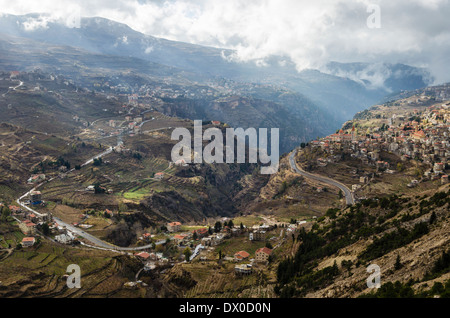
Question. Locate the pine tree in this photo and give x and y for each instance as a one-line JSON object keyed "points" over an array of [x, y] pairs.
{"points": [[433, 217], [398, 263], [187, 254]]}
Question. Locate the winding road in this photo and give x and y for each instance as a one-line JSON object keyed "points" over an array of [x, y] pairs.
{"points": [[80, 232], [347, 192], [91, 238], [13, 88]]}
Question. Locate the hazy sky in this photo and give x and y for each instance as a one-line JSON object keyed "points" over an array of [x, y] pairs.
{"points": [[415, 32]]}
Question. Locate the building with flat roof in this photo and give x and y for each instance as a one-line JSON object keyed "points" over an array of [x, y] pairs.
{"points": [[35, 197], [243, 269]]}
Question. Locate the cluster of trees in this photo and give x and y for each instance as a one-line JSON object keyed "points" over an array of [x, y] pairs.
{"points": [[393, 240], [295, 275], [187, 254], [405, 290], [325, 241], [124, 233], [298, 266], [392, 290], [218, 226], [440, 267], [4, 213], [137, 155], [317, 279], [45, 229], [97, 162], [298, 271], [439, 199], [60, 162], [98, 189], [384, 127]]}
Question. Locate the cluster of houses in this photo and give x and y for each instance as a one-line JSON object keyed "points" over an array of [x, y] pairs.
{"points": [[28, 220], [133, 125], [207, 237], [261, 256], [26, 226], [66, 237], [210, 239], [424, 136], [257, 233], [151, 260]]}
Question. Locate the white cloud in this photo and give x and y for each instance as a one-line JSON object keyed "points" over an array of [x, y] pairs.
{"points": [[33, 24], [311, 33]]}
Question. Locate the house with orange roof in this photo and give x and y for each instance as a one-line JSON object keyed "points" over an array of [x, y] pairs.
{"points": [[146, 236], [142, 255], [174, 227], [418, 135], [262, 254], [181, 238], [201, 232], [15, 209], [241, 256], [28, 241], [27, 227]]}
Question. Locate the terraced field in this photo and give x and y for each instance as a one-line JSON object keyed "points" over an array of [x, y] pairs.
{"points": [[10, 236], [220, 282], [41, 272]]}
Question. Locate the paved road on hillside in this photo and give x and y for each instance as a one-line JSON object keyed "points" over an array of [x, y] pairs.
{"points": [[80, 232], [348, 194], [99, 242], [13, 88]]}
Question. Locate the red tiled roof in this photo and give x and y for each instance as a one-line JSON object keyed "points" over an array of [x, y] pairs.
{"points": [[241, 255], [266, 250], [29, 223], [144, 255], [201, 231]]}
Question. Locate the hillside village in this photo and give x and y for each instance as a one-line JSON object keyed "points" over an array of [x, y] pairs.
{"points": [[419, 135], [181, 243], [416, 132]]}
